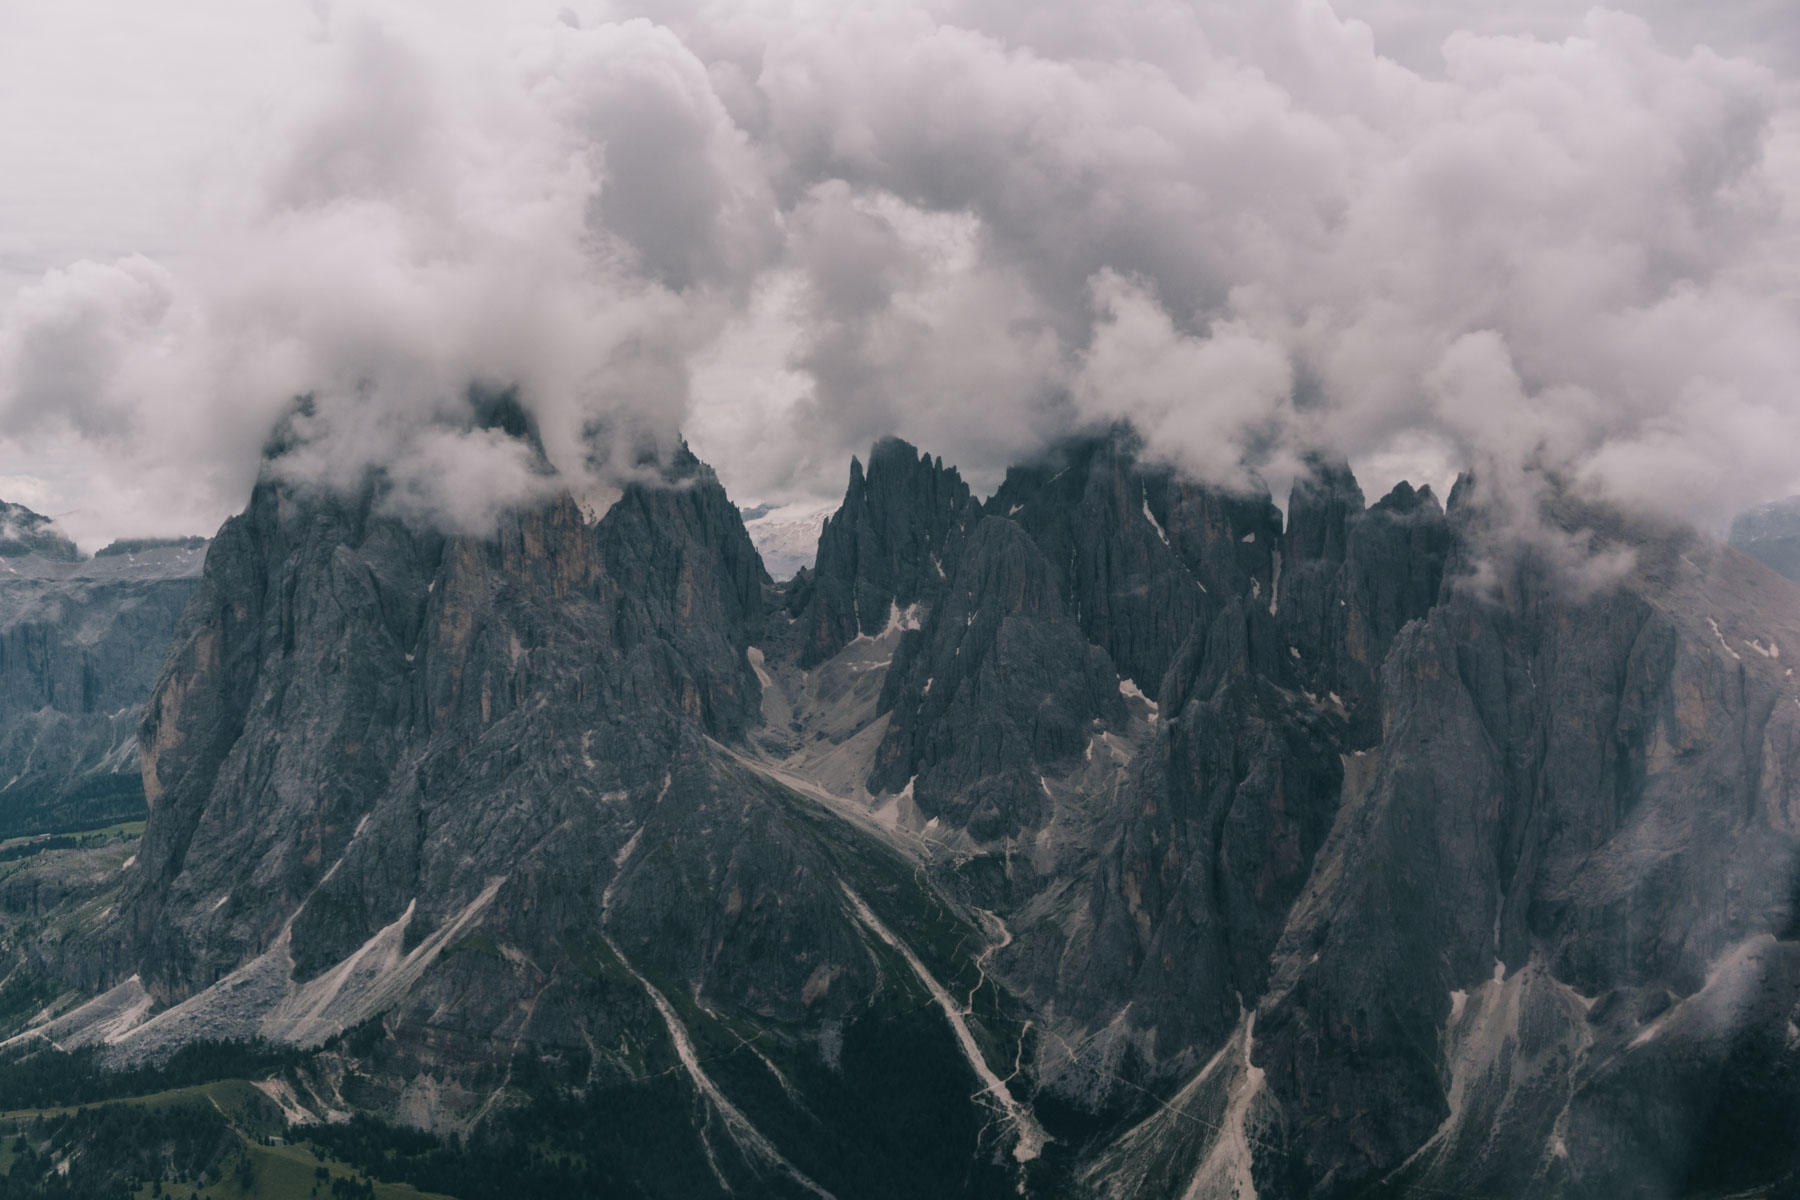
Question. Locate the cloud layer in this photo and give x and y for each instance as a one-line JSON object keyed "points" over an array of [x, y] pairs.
{"points": [[1454, 235]]}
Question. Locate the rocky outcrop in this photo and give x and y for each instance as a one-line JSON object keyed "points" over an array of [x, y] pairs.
{"points": [[1018, 705], [1535, 823]]}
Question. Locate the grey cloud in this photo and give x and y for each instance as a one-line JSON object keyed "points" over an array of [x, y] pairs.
{"points": [[681, 183], [66, 338], [369, 136]]}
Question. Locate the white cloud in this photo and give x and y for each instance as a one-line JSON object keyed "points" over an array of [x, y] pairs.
{"points": [[1496, 234]]}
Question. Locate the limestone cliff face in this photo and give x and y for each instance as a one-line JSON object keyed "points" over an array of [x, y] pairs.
{"points": [[81, 645]]}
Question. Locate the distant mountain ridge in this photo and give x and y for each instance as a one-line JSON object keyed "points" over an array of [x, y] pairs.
{"points": [[1770, 534], [81, 645]]}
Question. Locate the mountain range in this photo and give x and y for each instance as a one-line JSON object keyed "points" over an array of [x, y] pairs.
{"points": [[1113, 836]]}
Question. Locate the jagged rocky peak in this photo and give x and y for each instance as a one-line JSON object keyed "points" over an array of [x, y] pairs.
{"points": [[451, 687], [1401, 547], [890, 546], [1142, 553], [999, 687], [1353, 577], [494, 791], [1321, 504]]}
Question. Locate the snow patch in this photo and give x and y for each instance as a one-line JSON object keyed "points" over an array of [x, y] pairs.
{"points": [[1131, 691], [1156, 524], [1722, 642], [787, 536], [898, 621]]}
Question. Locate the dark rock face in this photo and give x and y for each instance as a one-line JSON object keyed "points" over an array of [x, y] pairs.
{"points": [[1085, 564], [340, 672], [998, 684], [890, 546], [1232, 809], [1142, 557], [1352, 579], [81, 645], [1372, 787], [1575, 803]]}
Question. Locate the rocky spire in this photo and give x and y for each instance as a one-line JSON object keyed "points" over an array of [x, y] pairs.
{"points": [[891, 545]]}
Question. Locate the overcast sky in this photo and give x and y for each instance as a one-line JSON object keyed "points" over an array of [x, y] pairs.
{"points": [[1422, 234]]}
